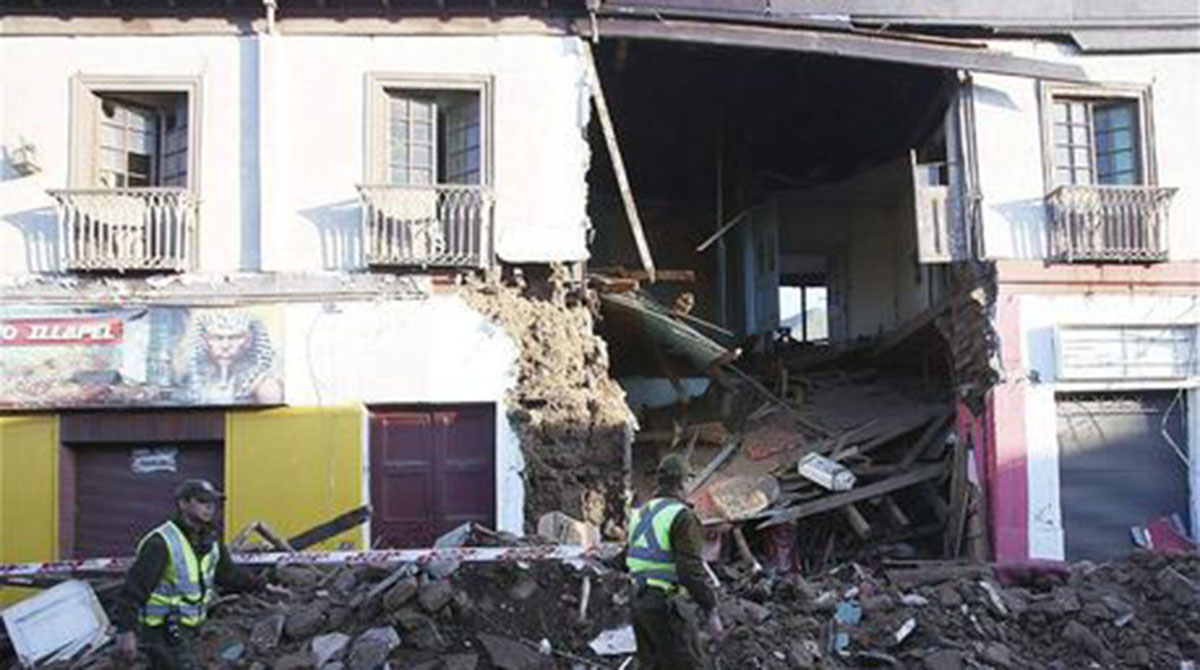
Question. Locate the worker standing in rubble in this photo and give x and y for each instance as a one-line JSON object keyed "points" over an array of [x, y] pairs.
{"points": [[170, 585], [663, 557]]}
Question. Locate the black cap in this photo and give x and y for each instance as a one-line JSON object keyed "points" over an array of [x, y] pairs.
{"points": [[198, 489]]}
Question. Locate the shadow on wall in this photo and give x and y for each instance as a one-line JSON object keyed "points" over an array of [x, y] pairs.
{"points": [[39, 230], [1026, 227], [340, 226]]}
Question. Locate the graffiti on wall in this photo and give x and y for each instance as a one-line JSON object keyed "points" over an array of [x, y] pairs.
{"points": [[140, 356]]}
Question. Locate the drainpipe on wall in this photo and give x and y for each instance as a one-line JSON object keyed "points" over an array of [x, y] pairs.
{"points": [[270, 127], [271, 6]]}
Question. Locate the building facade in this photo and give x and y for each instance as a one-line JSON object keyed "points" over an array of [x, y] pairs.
{"points": [[234, 240]]}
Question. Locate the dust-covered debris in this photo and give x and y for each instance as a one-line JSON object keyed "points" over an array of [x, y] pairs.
{"points": [[570, 414]]}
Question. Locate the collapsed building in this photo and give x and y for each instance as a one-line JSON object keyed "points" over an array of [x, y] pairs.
{"points": [[900, 284]]}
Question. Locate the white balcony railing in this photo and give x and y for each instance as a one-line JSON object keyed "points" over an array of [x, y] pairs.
{"points": [[446, 226], [123, 229], [1108, 224]]}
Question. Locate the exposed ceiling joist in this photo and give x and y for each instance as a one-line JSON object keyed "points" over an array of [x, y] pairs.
{"points": [[937, 54]]}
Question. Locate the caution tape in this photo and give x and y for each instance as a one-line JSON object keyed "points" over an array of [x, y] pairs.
{"points": [[548, 552]]}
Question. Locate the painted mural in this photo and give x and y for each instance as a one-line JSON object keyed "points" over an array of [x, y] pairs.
{"points": [[140, 356]]}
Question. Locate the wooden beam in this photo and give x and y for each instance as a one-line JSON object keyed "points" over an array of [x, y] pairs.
{"points": [[331, 528], [829, 503], [683, 276], [618, 163]]}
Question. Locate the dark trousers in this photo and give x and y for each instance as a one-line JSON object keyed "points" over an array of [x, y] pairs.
{"points": [[163, 655], [667, 639]]}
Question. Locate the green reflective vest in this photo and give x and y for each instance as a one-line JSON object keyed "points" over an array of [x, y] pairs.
{"points": [[186, 586], [648, 556]]}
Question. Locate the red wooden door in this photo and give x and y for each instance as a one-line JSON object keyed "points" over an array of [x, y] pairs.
{"points": [[433, 468]]}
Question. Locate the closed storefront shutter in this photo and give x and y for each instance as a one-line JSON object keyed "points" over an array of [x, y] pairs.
{"points": [[1117, 469]]}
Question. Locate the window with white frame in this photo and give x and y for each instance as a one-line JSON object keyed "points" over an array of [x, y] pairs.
{"points": [[1097, 136]]}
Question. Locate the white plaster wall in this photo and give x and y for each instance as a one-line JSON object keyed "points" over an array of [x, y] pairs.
{"points": [[437, 350], [540, 151], [35, 94], [1039, 315], [306, 95], [870, 220], [1009, 137]]}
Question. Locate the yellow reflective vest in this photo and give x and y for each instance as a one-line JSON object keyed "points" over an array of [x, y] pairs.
{"points": [[186, 586], [648, 555]]}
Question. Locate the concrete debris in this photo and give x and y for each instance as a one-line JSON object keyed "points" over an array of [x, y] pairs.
{"points": [[329, 647], [508, 654], [615, 642]]}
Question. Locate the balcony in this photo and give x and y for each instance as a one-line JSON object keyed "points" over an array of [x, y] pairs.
{"points": [[1108, 224], [439, 226], [127, 229]]}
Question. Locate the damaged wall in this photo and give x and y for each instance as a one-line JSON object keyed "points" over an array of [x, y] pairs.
{"points": [[571, 416], [1026, 418], [865, 227], [436, 350]]}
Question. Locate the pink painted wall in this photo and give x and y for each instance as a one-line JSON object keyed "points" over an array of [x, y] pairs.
{"points": [[1007, 479]]}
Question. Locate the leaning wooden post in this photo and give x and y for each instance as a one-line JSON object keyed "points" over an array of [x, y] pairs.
{"points": [[614, 153]]}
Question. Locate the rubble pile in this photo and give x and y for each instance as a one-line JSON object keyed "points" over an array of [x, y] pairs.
{"points": [[569, 413], [1140, 613], [513, 616], [1143, 612]]}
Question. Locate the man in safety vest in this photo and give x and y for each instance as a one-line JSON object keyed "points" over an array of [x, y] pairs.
{"points": [[170, 585], [663, 557]]}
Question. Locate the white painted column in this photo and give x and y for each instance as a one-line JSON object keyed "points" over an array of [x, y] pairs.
{"points": [[1046, 540]]}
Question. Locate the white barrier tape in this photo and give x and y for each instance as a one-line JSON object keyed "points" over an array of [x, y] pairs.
{"points": [[550, 552]]}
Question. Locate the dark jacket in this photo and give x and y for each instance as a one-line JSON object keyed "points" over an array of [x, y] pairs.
{"points": [[687, 541], [151, 563]]}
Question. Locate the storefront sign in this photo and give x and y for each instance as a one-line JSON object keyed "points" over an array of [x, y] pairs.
{"points": [[148, 356], [1126, 352], [156, 459]]}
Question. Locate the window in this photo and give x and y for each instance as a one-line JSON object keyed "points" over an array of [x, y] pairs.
{"points": [[142, 140], [423, 132], [804, 312], [134, 132], [1095, 142], [433, 138], [1097, 136]]}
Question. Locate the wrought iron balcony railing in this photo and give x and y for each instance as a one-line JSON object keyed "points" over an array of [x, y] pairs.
{"points": [[127, 229], [1108, 224], [447, 226]]}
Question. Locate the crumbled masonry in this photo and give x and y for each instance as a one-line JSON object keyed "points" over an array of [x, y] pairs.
{"points": [[570, 414], [1143, 612]]}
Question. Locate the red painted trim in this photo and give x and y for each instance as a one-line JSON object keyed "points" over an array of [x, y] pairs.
{"points": [[1008, 459], [1042, 277]]}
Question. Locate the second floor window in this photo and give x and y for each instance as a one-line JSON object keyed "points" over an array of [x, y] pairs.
{"points": [[141, 140], [1096, 142], [433, 137]]}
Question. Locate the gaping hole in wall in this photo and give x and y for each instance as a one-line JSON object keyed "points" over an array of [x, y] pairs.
{"points": [[784, 197]]}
